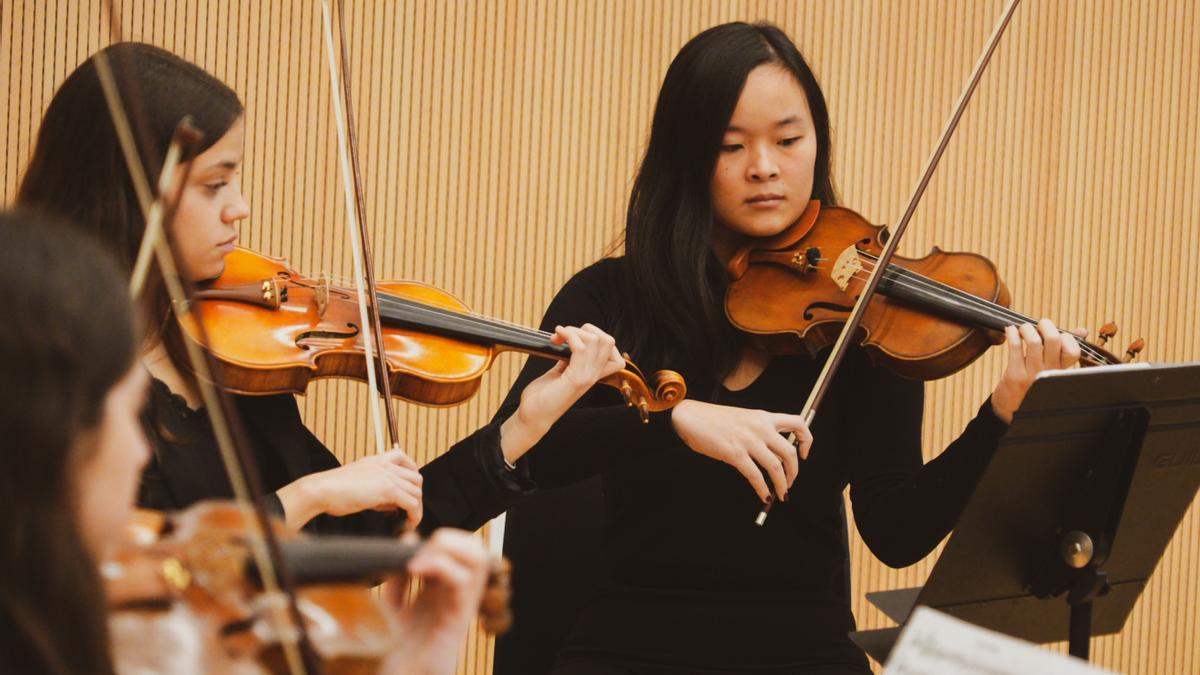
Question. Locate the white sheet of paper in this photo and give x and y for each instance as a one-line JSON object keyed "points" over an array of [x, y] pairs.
{"points": [[933, 643]]}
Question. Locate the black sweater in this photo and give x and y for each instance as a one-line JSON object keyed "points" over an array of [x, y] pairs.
{"points": [[689, 579], [465, 489]]}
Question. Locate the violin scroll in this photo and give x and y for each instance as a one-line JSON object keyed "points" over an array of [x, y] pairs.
{"points": [[669, 389]]}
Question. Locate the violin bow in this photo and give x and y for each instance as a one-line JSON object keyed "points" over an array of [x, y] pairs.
{"points": [[352, 189], [368, 301], [821, 387], [227, 429]]}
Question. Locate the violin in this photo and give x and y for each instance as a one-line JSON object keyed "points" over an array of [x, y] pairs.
{"points": [[931, 316], [273, 330], [186, 596]]}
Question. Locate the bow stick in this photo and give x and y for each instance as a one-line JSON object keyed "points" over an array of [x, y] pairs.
{"points": [[821, 387], [351, 172]]}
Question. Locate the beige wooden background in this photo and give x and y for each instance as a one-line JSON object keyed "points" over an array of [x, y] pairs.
{"points": [[499, 141]]}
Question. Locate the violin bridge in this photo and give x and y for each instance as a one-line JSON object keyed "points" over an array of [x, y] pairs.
{"points": [[847, 265], [322, 295]]}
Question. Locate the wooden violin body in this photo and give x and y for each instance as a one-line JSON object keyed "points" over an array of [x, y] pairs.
{"points": [[931, 317], [186, 597], [274, 330]]}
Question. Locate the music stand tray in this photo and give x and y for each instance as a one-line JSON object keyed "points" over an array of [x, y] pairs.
{"points": [[1087, 487]]}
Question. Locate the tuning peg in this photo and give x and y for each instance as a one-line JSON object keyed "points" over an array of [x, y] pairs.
{"points": [[627, 393], [1106, 332], [1134, 349]]}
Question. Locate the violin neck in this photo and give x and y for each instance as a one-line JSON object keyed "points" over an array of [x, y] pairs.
{"points": [[401, 312], [919, 291], [341, 559], [911, 288]]}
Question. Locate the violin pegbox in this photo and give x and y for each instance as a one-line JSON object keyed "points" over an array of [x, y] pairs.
{"points": [[660, 393], [1106, 333], [1134, 349]]}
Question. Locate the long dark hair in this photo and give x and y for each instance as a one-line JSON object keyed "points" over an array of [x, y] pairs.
{"points": [[78, 172], [673, 316], [68, 339]]}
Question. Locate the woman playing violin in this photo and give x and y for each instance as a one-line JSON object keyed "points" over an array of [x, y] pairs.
{"points": [[74, 447], [77, 171], [739, 144]]}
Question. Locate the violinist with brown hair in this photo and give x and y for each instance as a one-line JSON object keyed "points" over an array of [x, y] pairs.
{"points": [[77, 171], [739, 145], [73, 390]]}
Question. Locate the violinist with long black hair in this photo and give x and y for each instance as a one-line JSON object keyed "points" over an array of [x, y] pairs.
{"points": [[739, 144], [77, 171]]}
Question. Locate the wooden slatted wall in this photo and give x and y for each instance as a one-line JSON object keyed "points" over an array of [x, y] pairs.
{"points": [[499, 141]]}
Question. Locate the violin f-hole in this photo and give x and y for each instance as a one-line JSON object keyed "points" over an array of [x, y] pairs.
{"points": [[352, 331], [808, 311]]}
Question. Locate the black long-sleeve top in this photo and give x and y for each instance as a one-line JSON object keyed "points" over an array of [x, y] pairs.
{"points": [[469, 486], [690, 579]]}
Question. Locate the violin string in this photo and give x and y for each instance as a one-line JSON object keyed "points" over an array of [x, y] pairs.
{"points": [[909, 279], [419, 311], [450, 313], [912, 280], [995, 311], [474, 321], [499, 330], [479, 320], [904, 277], [901, 277]]}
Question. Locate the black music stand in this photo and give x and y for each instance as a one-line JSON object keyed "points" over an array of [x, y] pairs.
{"points": [[1088, 486]]}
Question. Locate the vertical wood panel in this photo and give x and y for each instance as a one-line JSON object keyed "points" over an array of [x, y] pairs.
{"points": [[499, 141]]}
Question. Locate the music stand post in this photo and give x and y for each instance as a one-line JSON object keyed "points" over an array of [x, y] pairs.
{"points": [[1089, 483]]}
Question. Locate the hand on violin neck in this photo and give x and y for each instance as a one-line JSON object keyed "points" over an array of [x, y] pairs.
{"points": [[1030, 351], [452, 567], [751, 441], [594, 356], [383, 482]]}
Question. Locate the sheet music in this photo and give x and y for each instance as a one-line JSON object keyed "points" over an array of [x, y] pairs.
{"points": [[933, 643]]}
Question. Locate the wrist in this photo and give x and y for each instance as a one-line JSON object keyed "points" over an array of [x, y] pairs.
{"points": [[301, 501], [517, 435], [680, 413], [422, 653], [1000, 406]]}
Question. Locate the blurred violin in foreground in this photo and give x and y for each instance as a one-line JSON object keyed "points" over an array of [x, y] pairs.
{"points": [[185, 596]]}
